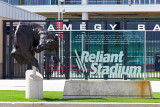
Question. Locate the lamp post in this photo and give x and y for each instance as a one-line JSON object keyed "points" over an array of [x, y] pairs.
{"points": [[63, 11], [129, 2], [60, 10]]}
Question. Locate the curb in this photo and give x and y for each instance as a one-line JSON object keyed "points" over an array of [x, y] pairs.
{"points": [[62, 104]]}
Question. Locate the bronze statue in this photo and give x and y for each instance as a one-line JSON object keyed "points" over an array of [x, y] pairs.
{"points": [[31, 38]]}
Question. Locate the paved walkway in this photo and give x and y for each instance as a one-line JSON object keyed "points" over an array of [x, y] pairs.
{"points": [[51, 85], [75, 104], [19, 84]]}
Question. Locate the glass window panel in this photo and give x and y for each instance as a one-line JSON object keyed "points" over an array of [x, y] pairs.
{"points": [[130, 43], [73, 2], [55, 2], [14, 2], [152, 48], [125, 1], [137, 2], [7, 1], [146, 1], [36, 2], [141, 1], [158, 2], [151, 1]]}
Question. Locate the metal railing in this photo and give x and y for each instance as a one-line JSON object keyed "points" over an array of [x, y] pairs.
{"points": [[13, 70], [79, 2], [124, 2]]}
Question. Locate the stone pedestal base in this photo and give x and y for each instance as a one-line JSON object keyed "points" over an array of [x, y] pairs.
{"points": [[106, 89], [34, 85]]}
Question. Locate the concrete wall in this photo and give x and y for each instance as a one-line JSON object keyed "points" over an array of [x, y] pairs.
{"points": [[19, 69], [96, 11], [14, 12], [1, 46], [106, 89], [11, 12]]}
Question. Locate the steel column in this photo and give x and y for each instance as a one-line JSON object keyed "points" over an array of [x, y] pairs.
{"points": [[4, 49], [47, 68], [67, 54], [125, 25], [10, 50]]}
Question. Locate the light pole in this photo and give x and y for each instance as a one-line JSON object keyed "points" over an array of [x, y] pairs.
{"points": [[60, 10], [63, 11], [129, 2], [59, 28]]}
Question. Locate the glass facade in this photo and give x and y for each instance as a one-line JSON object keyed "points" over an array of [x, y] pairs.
{"points": [[152, 49], [28, 2], [35, 2], [108, 2], [90, 45], [152, 42], [131, 43], [78, 2]]}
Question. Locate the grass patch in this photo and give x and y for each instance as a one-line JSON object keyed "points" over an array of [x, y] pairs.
{"points": [[152, 71], [56, 96], [153, 79], [150, 79]]}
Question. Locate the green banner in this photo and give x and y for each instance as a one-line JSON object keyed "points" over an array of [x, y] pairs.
{"points": [[107, 54]]}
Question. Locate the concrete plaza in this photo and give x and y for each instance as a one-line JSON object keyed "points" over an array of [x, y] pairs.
{"points": [[50, 85]]}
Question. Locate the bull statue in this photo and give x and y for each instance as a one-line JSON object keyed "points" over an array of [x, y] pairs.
{"points": [[31, 38]]}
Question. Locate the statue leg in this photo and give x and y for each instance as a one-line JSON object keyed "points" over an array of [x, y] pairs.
{"points": [[57, 52], [17, 55], [30, 58]]}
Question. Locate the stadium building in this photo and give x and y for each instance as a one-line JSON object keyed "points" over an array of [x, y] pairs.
{"points": [[10, 12]]}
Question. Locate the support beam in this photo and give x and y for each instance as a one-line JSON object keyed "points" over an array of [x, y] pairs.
{"points": [[10, 49], [84, 14], [4, 49]]}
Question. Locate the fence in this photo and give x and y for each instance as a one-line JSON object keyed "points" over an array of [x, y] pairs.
{"points": [[51, 69]]}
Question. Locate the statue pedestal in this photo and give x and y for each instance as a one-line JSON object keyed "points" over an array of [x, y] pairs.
{"points": [[34, 85], [106, 89]]}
